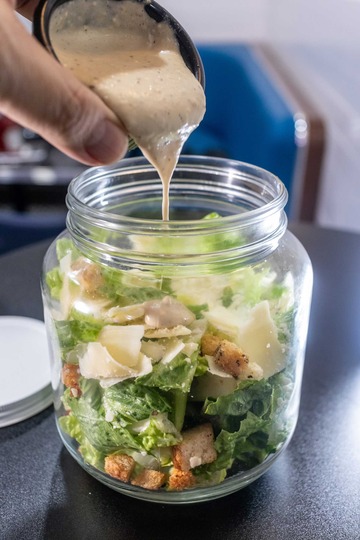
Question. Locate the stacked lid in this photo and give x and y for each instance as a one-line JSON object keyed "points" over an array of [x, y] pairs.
{"points": [[25, 387]]}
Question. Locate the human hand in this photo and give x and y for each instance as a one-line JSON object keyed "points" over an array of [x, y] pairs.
{"points": [[41, 95]]}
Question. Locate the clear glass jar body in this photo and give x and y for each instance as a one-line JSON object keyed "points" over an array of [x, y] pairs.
{"points": [[177, 347]]}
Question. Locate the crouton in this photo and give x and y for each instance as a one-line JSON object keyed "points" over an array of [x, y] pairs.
{"points": [[70, 377], [231, 358], [196, 448], [209, 344], [149, 479], [119, 466], [180, 480]]}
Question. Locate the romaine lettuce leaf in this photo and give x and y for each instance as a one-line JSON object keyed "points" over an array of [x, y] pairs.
{"points": [[202, 366], [210, 242], [250, 394], [118, 288], [198, 310], [251, 421], [71, 333], [104, 436], [129, 402], [54, 282], [284, 321], [91, 391], [176, 375], [101, 430], [248, 445], [70, 425], [227, 296], [159, 432], [179, 410], [65, 246], [254, 284]]}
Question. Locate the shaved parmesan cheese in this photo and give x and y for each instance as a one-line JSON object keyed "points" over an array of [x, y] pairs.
{"points": [[123, 343], [200, 290], [116, 356], [190, 348], [173, 348], [97, 363], [154, 349], [121, 315], [224, 320], [195, 461], [255, 332], [215, 369], [198, 329], [212, 386], [158, 333], [259, 340], [94, 307]]}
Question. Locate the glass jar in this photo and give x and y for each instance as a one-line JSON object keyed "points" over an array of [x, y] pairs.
{"points": [[177, 347]]}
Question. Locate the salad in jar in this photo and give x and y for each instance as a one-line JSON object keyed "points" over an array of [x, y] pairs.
{"points": [[171, 382]]}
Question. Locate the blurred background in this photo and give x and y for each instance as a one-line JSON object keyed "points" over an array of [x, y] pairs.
{"points": [[283, 92], [318, 43]]}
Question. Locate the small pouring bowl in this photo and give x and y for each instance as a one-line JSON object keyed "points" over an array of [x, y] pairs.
{"points": [[188, 50]]}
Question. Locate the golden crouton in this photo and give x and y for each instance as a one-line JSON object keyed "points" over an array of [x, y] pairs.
{"points": [[231, 358], [119, 466], [196, 448], [209, 344], [70, 377], [149, 479], [180, 480]]}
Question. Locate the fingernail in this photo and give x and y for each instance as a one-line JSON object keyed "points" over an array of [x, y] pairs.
{"points": [[107, 143]]}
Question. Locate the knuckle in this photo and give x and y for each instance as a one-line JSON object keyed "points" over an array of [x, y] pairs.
{"points": [[75, 117]]}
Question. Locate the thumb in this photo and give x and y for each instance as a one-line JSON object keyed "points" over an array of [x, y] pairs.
{"points": [[40, 94]]}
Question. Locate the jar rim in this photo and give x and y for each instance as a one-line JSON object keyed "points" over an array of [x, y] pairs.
{"points": [[248, 203], [276, 193]]}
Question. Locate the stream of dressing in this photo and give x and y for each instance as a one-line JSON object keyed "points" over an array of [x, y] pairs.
{"points": [[133, 63]]}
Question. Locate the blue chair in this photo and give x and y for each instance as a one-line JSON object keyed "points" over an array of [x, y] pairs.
{"points": [[18, 229], [251, 117]]}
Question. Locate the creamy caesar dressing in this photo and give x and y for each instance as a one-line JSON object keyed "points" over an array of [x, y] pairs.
{"points": [[133, 63]]}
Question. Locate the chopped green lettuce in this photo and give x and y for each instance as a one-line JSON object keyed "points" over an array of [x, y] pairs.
{"points": [[176, 375], [198, 310], [104, 436], [71, 425], [97, 419], [144, 415], [247, 419], [54, 281], [248, 445], [227, 296], [250, 394], [65, 246], [119, 287], [180, 402], [129, 402], [158, 432], [71, 333]]}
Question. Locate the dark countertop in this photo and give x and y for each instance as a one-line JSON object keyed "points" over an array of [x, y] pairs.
{"points": [[311, 492]]}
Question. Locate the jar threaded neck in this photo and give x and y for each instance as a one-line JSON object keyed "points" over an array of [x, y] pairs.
{"points": [[114, 212]]}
